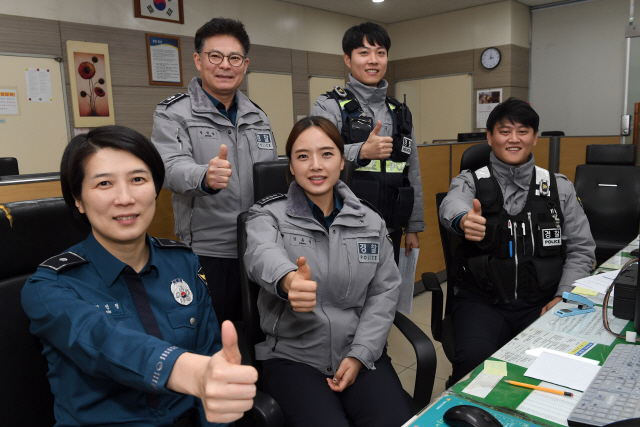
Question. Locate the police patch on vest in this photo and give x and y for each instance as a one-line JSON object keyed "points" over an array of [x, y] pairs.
{"points": [[181, 292], [551, 237], [297, 240], [368, 252], [264, 141], [406, 145]]}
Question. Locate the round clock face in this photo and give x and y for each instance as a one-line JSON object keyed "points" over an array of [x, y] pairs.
{"points": [[490, 58]]}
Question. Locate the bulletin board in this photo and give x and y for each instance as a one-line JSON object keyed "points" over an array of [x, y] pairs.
{"points": [[34, 131]]}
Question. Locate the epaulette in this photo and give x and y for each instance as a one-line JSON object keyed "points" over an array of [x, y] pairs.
{"points": [[173, 98], [370, 205], [257, 106], [271, 198], [64, 261], [168, 243]]}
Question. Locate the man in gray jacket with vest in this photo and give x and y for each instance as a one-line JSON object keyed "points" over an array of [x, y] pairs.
{"points": [[209, 139], [527, 239], [378, 135]]}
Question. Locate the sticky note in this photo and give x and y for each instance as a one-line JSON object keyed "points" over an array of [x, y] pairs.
{"points": [[584, 291], [495, 367]]}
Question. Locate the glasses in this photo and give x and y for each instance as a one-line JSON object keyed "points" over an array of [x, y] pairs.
{"points": [[216, 58]]}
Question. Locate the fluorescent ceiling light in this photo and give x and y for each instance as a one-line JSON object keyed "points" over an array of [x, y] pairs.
{"points": [[377, 1]]}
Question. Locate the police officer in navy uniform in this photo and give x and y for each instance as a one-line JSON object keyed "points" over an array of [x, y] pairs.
{"points": [[378, 134], [527, 239], [209, 139], [125, 319]]}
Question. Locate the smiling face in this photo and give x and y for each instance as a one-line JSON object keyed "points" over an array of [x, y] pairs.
{"points": [[512, 142], [118, 196], [316, 163], [368, 63], [222, 80]]}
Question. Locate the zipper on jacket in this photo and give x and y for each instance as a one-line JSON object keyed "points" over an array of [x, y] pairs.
{"points": [[349, 284], [533, 239], [515, 255], [275, 327]]}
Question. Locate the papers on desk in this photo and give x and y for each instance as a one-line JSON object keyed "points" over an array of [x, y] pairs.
{"points": [[575, 374], [587, 326], [533, 337], [407, 267], [549, 406], [482, 384], [599, 282]]}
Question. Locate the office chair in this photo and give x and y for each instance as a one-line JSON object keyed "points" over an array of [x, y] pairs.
{"points": [[264, 175], [609, 188], [473, 158], [30, 232], [8, 166]]}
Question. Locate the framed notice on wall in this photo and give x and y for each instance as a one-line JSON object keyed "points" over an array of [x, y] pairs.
{"points": [[160, 10], [163, 57]]}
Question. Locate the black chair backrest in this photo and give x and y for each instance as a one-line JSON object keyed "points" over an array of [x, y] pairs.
{"points": [[8, 166], [610, 195], [450, 242], [475, 157], [30, 232]]}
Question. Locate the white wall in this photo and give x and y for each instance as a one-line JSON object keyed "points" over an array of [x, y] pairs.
{"points": [[268, 22], [577, 66], [495, 24]]}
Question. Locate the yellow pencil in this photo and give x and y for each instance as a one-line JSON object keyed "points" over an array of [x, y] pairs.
{"points": [[535, 387]]}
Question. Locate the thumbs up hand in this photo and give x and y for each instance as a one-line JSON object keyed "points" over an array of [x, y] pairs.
{"points": [[376, 147], [219, 170], [473, 223], [299, 287]]}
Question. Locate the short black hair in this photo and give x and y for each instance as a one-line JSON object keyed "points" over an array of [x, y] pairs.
{"points": [[81, 147], [375, 34], [222, 26], [515, 111]]}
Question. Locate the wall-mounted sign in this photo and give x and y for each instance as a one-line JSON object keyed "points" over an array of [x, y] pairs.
{"points": [[163, 57]]}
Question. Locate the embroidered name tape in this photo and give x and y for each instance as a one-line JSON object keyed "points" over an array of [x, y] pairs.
{"points": [[264, 141], [111, 307], [551, 237], [368, 252], [206, 134], [302, 241]]}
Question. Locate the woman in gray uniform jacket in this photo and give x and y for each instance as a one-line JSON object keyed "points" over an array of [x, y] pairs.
{"points": [[329, 292]]}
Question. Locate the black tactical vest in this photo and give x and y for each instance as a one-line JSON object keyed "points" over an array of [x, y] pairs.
{"points": [[383, 183], [521, 256]]}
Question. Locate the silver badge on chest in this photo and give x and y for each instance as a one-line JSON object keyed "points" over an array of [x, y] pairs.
{"points": [[181, 292]]}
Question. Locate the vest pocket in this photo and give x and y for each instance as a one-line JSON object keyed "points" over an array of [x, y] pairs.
{"points": [[401, 206], [184, 321], [548, 240], [546, 272], [493, 275]]}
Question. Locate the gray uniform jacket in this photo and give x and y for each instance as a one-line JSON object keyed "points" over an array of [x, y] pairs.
{"points": [[188, 133], [514, 182], [373, 102], [358, 280]]}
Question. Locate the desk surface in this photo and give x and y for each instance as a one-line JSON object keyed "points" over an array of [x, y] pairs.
{"points": [[506, 398]]}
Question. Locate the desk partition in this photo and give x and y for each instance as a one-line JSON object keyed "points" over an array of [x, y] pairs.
{"points": [[438, 164]]}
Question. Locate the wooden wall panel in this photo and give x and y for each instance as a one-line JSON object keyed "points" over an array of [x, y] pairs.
{"points": [[434, 168], [300, 105], [35, 190], [520, 66], [30, 35], [434, 65], [189, 70], [325, 64], [270, 59], [541, 153], [300, 71], [497, 77], [163, 221], [573, 151]]}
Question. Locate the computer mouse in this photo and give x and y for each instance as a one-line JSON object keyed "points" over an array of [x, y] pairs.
{"points": [[634, 253], [469, 416]]}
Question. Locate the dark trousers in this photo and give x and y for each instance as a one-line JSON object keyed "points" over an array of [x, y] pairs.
{"points": [[376, 398], [223, 280], [396, 239], [481, 328]]}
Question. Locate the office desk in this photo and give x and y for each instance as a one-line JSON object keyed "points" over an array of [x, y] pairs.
{"points": [[506, 398]]}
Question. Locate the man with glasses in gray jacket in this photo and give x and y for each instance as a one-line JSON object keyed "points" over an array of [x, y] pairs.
{"points": [[209, 139]]}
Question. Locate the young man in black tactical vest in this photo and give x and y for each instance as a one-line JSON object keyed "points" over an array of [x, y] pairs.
{"points": [[378, 134], [527, 239]]}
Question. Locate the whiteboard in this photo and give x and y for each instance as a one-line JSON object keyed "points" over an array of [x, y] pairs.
{"points": [[38, 134]]}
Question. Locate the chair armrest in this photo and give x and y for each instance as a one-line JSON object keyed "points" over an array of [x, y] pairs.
{"points": [[426, 356], [431, 284], [266, 411]]}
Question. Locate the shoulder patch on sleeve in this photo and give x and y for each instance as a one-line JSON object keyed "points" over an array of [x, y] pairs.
{"points": [[202, 277], [370, 205], [271, 198], [173, 98], [64, 261], [168, 243]]}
